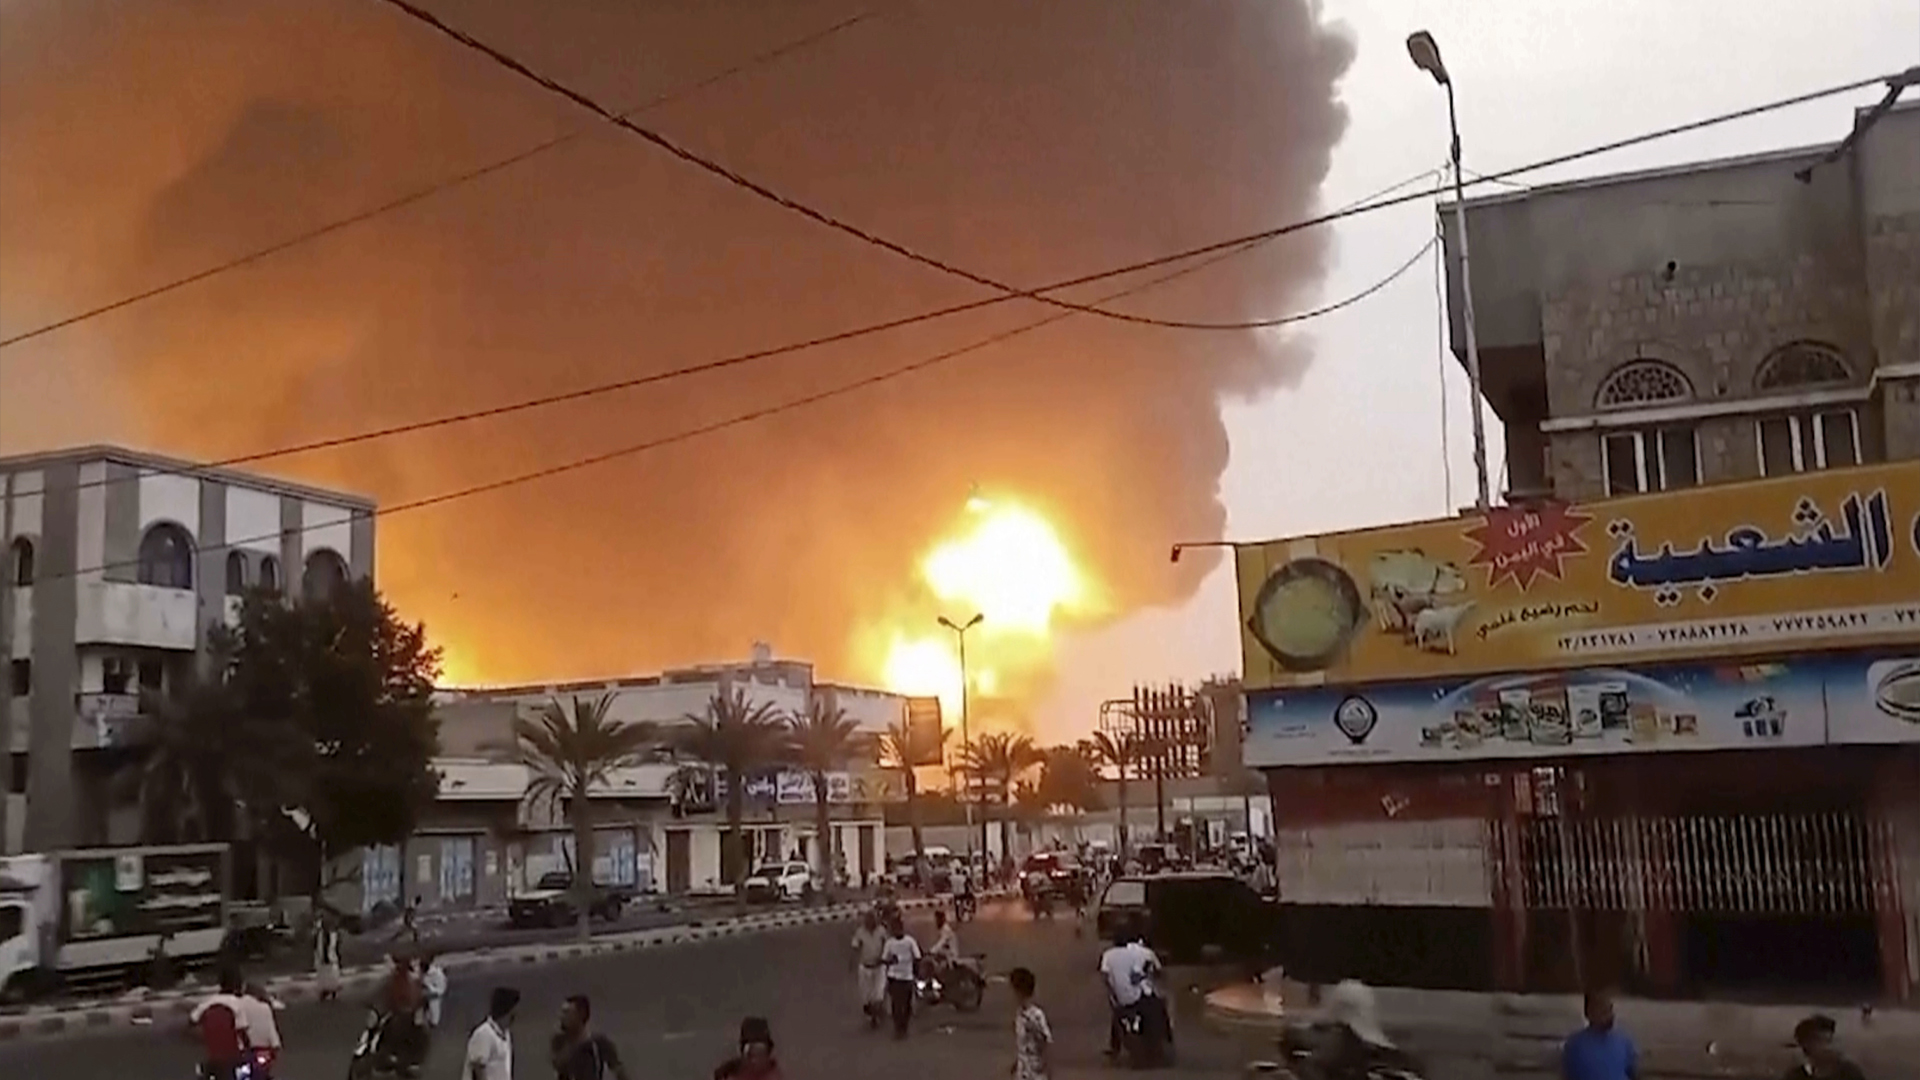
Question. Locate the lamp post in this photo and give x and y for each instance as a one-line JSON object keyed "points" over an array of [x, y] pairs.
{"points": [[1173, 554], [960, 633], [1426, 56]]}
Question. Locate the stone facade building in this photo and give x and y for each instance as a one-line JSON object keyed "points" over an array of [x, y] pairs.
{"points": [[1704, 323]]}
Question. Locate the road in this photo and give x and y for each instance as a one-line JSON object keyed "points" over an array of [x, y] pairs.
{"points": [[674, 1013]]}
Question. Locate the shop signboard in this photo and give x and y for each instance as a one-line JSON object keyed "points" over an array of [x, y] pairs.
{"points": [[1817, 700], [1817, 561]]}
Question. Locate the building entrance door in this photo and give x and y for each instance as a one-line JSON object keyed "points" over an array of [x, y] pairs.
{"points": [[679, 860]]}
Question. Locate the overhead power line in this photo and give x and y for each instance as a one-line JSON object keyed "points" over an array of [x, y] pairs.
{"points": [[1233, 245], [435, 188], [788, 202], [789, 405]]}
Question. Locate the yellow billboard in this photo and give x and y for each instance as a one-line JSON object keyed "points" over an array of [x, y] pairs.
{"points": [[1827, 560]]}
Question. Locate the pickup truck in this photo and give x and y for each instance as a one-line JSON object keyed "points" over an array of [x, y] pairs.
{"points": [[551, 902]]}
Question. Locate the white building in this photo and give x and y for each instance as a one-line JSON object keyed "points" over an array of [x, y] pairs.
{"points": [[483, 841], [117, 564]]}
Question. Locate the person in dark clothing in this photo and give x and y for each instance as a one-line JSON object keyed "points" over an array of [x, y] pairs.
{"points": [[579, 1053], [1818, 1058], [756, 1060]]}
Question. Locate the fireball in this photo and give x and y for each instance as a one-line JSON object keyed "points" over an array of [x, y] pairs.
{"points": [[1008, 564]]}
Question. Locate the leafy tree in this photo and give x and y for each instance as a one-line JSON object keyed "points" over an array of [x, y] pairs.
{"points": [[181, 780], [568, 753], [1069, 777], [743, 739], [1121, 750], [998, 759], [350, 684], [898, 751], [821, 741]]}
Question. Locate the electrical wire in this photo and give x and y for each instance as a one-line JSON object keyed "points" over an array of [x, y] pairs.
{"points": [[419, 194], [754, 187], [1235, 244], [736, 360], [764, 412], [789, 203]]}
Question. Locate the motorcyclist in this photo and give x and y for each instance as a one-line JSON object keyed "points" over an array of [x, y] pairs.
{"points": [[963, 898], [220, 1021], [1129, 969], [399, 1001]]}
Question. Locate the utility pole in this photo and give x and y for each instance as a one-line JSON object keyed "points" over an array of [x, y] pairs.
{"points": [[966, 741], [8, 577]]}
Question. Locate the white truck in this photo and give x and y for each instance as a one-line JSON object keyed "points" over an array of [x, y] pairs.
{"points": [[79, 916]]}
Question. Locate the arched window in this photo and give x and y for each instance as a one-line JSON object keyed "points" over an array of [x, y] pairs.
{"points": [[236, 573], [1643, 382], [325, 574], [20, 561], [270, 573], [166, 557], [1800, 364]]}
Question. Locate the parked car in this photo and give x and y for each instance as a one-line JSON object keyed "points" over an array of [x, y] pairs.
{"points": [[551, 902], [1194, 915], [780, 881]]}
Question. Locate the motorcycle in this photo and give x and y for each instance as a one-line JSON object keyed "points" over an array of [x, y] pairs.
{"points": [[377, 1056], [965, 907], [1146, 1034], [962, 984]]}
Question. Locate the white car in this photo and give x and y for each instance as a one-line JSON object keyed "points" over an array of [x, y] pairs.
{"points": [[780, 881]]}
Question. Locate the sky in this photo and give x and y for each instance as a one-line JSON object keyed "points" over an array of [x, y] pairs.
{"points": [[1027, 143]]}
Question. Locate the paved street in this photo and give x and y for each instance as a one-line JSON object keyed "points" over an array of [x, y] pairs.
{"points": [[674, 1011]]}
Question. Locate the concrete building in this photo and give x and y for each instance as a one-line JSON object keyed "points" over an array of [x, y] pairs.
{"points": [[117, 564], [1638, 723], [483, 840]]}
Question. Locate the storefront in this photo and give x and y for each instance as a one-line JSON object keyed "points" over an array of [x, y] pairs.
{"points": [[1667, 741]]}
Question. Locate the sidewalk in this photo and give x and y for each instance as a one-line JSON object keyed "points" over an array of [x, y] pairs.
{"points": [[1521, 1034], [142, 1008]]}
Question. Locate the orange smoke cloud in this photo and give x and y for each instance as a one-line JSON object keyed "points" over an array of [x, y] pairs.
{"points": [[1028, 141]]}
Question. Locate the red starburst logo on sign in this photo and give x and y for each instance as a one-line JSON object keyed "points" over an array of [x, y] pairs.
{"points": [[1525, 542]]}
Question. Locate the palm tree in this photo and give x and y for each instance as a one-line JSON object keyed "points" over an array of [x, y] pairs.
{"points": [[743, 739], [1121, 750], [822, 740], [998, 759], [898, 751], [569, 752], [1069, 777]]}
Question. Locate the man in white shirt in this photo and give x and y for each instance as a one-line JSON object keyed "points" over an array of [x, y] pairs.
{"points": [[263, 1029], [490, 1048], [1128, 968], [868, 943], [900, 957]]}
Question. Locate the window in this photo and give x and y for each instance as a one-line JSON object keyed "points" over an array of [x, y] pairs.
{"points": [[20, 561], [1801, 364], [1643, 382], [1805, 442], [116, 674], [13, 920], [1657, 459], [326, 572], [153, 674], [20, 676], [236, 573], [270, 573], [166, 557]]}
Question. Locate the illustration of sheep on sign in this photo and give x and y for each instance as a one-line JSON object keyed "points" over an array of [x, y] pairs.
{"points": [[1434, 628], [1406, 583]]}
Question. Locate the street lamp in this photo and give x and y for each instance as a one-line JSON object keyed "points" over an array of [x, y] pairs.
{"points": [[960, 632], [1426, 56]]}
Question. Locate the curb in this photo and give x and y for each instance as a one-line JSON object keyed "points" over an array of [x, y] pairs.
{"points": [[148, 1010]]}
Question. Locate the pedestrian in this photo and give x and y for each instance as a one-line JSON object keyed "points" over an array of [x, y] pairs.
{"points": [[433, 987], [326, 956], [1818, 1058], [868, 943], [755, 1060], [901, 957], [1032, 1036], [580, 1053], [1599, 1051], [490, 1047]]}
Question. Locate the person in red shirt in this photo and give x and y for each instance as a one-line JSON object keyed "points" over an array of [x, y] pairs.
{"points": [[220, 1022], [399, 1000]]}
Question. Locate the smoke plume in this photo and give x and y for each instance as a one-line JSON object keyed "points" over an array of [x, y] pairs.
{"points": [[1029, 142]]}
